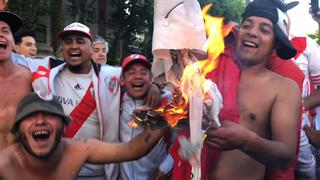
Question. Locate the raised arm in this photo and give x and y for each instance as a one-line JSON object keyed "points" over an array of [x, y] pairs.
{"points": [[102, 153], [33, 64]]}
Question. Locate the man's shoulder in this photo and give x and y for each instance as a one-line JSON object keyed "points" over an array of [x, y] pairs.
{"points": [[72, 144], [282, 82], [7, 165], [22, 72], [7, 156]]}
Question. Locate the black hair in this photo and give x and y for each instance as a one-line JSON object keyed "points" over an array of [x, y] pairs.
{"points": [[22, 33]]}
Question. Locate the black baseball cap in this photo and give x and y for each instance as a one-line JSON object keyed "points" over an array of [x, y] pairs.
{"points": [[270, 10], [13, 20]]}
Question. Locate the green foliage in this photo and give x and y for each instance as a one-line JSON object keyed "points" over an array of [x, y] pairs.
{"points": [[231, 10], [315, 36], [81, 9], [133, 24], [29, 10]]}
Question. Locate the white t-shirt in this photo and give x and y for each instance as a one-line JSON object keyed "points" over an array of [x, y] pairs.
{"points": [[70, 89]]}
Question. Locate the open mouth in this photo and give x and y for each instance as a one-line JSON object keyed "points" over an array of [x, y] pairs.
{"points": [[249, 44], [75, 54], [3, 45], [137, 85], [41, 135]]}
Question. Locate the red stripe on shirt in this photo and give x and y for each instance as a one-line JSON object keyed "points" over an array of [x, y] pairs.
{"points": [[81, 113]]}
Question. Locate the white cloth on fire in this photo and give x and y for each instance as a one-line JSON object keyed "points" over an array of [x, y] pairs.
{"points": [[178, 24]]}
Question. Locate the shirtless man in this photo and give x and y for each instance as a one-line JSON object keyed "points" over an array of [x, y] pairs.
{"points": [[15, 81], [264, 105], [42, 153], [269, 105]]}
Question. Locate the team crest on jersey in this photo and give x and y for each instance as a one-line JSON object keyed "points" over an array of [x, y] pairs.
{"points": [[112, 84]]}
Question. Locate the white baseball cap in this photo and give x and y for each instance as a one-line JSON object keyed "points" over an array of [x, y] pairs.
{"points": [[76, 27]]}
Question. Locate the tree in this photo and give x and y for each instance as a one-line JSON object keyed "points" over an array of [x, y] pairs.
{"points": [[315, 36], [81, 9], [131, 23], [56, 25], [231, 10], [133, 26], [29, 10]]}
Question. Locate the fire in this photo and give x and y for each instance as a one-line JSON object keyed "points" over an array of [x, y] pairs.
{"points": [[216, 32], [193, 77], [194, 74], [132, 124], [176, 110]]}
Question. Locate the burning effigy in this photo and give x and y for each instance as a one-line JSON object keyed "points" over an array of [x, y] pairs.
{"points": [[186, 44]]}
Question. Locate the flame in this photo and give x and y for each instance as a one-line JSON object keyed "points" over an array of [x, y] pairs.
{"points": [[176, 110], [132, 124], [214, 45], [193, 77], [194, 74]]}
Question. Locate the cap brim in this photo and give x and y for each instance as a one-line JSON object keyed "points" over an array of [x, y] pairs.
{"points": [[14, 21], [145, 63], [36, 107], [291, 5], [62, 34], [285, 50]]}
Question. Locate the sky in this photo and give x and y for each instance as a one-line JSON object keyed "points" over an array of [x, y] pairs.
{"points": [[301, 21]]}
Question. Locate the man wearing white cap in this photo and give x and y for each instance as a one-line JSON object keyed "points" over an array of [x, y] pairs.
{"points": [[90, 94]]}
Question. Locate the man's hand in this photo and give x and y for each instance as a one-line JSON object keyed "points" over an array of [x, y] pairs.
{"points": [[147, 117], [152, 98], [228, 137], [313, 136]]}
